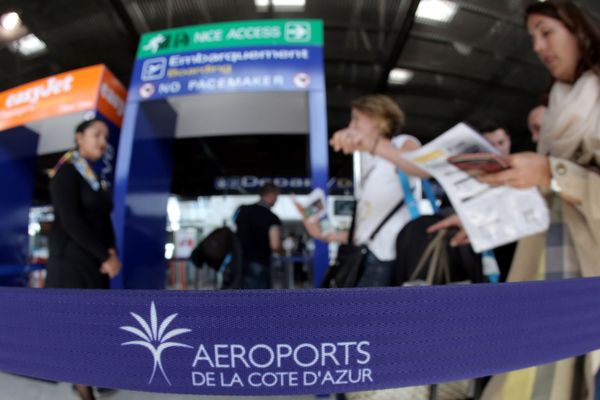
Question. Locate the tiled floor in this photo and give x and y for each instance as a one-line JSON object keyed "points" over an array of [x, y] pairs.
{"points": [[18, 388]]}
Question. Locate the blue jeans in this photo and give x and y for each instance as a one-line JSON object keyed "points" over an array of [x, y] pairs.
{"points": [[376, 272], [256, 276]]}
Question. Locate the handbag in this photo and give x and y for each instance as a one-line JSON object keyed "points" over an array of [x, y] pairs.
{"points": [[434, 262], [347, 268], [349, 263], [412, 244]]}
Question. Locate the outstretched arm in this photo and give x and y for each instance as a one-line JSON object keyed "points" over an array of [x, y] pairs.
{"points": [[349, 140]]}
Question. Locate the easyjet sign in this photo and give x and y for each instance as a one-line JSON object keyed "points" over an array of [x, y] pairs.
{"points": [[51, 87], [91, 88]]}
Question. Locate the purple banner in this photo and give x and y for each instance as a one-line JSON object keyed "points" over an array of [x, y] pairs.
{"points": [[293, 342]]}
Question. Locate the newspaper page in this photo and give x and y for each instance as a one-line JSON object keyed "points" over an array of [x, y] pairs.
{"points": [[491, 215], [315, 209]]}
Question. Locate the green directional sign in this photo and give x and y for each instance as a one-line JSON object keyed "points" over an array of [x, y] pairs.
{"points": [[298, 32], [273, 32]]}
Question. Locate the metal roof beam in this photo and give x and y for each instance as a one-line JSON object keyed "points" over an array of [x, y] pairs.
{"points": [[405, 18], [125, 19]]}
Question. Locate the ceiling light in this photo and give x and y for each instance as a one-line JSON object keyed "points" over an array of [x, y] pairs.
{"points": [[462, 48], [399, 76], [436, 10], [280, 5], [28, 45], [289, 3], [10, 21]]}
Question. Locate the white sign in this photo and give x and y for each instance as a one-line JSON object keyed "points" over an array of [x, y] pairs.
{"points": [[185, 241]]}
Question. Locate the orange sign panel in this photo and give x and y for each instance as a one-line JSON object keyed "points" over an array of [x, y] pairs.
{"points": [[73, 91], [112, 97]]}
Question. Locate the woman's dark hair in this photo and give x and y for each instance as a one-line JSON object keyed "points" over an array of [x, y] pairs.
{"points": [[86, 124], [488, 126], [575, 21]]}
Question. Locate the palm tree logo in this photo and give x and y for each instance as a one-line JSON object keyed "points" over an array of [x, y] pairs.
{"points": [[155, 338]]}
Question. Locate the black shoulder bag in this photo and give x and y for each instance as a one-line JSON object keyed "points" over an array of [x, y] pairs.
{"points": [[349, 263]]}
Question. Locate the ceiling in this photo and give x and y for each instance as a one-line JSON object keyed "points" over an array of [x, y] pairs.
{"points": [[478, 67]]}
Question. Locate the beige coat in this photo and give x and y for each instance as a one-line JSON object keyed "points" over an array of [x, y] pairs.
{"points": [[580, 194]]}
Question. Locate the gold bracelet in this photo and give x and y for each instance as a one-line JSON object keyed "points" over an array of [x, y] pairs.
{"points": [[372, 151]]}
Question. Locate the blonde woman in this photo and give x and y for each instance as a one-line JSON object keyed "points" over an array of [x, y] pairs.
{"points": [[381, 120]]}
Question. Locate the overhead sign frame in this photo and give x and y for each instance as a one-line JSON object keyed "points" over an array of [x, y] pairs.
{"points": [[262, 56]]}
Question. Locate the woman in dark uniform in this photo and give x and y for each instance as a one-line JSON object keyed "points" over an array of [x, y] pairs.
{"points": [[82, 242]]}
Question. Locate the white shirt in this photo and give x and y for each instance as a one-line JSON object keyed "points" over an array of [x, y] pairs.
{"points": [[381, 191]]}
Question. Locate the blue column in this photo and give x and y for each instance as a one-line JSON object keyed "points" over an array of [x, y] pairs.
{"points": [[319, 168], [18, 147], [142, 186]]}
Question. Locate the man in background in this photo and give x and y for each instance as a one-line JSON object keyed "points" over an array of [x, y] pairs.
{"points": [[534, 122], [500, 139], [259, 232], [497, 136]]}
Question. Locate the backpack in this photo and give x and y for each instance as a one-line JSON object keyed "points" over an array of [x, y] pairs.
{"points": [[214, 248], [221, 251]]}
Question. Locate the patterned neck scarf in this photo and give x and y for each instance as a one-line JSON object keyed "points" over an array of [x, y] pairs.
{"points": [[82, 166], [571, 125]]}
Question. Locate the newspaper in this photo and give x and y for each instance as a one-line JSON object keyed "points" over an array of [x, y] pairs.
{"points": [[315, 210], [315, 205], [491, 215]]}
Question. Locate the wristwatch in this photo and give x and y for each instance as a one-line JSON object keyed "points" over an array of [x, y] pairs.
{"points": [[554, 186], [559, 169]]}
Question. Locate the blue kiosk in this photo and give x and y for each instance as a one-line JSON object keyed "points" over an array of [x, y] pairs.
{"points": [[262, 76]]}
